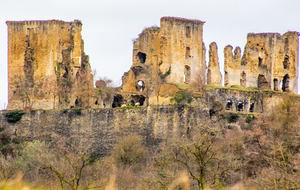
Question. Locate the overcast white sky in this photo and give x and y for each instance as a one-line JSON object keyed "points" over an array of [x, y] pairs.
{"points": [[109, 25]]}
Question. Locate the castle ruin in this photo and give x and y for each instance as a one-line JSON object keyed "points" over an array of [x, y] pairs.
{"points": [[48, 68]]}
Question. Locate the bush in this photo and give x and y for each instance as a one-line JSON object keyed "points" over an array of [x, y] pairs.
{"points": [[13, 117], [129, 151], [249, 118], [78, 111], [233, 117], [182, 98]]}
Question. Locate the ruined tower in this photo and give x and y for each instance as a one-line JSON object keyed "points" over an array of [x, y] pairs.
{"points": [[45, 61], [214, 76], [171, 53], [270, 61]]}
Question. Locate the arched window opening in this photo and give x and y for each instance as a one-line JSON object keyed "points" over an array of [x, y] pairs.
{"points": [[140, 85], [286, 62], [260, 61], [251, 109], [96, 103], [142, 57], [188, 32], [243, 79], [77, 103], [286, 83], [275, 81], [240, 106], [187, 74], [187, 52], [229, 105]]}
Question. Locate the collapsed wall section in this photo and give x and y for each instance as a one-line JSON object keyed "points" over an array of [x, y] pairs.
{"points": [[43, 60], [270, 61]]}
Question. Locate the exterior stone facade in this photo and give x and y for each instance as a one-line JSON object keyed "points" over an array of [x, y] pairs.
{"points": [[45, 61], [270, 61]]}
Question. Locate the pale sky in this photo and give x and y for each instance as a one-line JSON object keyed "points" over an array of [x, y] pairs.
{"points": [[109, 25]]}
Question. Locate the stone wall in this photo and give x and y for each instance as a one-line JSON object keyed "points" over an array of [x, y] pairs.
{"points": [[99, 129]]}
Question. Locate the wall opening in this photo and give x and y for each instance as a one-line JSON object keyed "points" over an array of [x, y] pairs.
{"points": [[118, 99], [286, 62], [262, 82], [188, 32], [140, 85], [77, 103], [240, 106], [260, 61], [243, 79], [132, 103], [96, 102], [251, 109], [228, 105], [142, 57], [187, 52], [275, 81], [226, 80], [187, 74], [142, 100], [286, 83]]}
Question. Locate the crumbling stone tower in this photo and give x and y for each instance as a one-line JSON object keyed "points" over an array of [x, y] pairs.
{"points": [[45, 61], [270, 61], [172, 53]]}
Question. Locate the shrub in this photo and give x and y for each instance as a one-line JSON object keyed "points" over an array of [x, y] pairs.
{"points": [[249, 118], [232, 118], [182, 98], [129, 151], [14, 116], [78, 111]]}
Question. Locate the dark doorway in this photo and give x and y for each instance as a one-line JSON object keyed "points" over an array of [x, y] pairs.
{"points": [[251, 109], [228, 105], [275, 81], [286, 83], [240, 106]]}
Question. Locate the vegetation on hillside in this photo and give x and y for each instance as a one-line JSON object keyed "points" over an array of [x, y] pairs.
{"points": [[261, 152]]}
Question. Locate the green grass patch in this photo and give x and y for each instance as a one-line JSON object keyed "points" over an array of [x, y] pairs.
{"points": [[182, 86]]}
